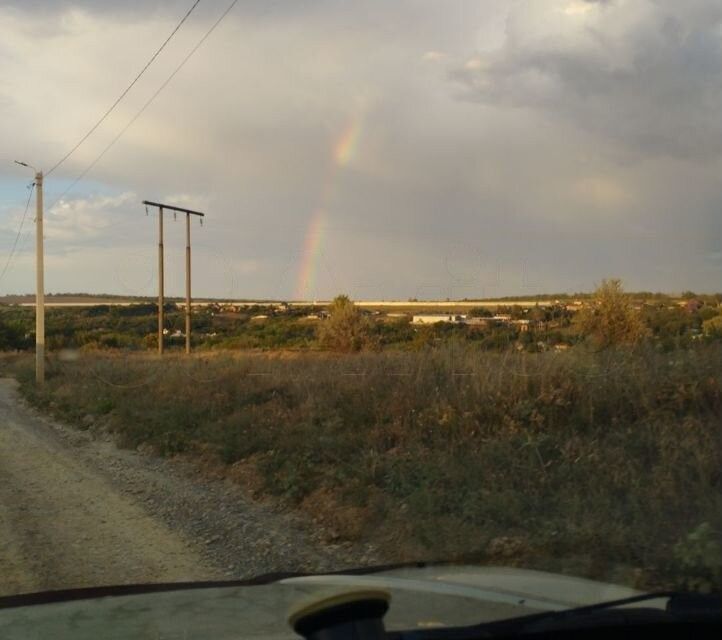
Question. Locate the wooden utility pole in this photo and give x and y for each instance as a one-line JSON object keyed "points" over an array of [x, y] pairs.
{"points": [[39, 283], [161, 296], [189, 213], [188, 282]]}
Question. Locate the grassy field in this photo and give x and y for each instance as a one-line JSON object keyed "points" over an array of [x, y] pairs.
{"points": [[600, 464]]}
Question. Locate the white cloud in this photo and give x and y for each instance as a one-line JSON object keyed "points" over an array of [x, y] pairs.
{"points": [[578, 8], [602, 192], [434, 56], [76, 221]]}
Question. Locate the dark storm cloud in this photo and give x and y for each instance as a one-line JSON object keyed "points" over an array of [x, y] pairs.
{"points": [[648, 75]]}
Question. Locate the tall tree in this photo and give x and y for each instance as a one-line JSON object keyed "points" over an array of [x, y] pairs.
{"points": [[346, 329], [610, 318]]}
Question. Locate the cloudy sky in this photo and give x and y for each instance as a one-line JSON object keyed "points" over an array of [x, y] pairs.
{"points": [[425, 149]]}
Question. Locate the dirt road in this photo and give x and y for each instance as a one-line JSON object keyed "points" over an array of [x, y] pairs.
{"points": [[75, 511]]}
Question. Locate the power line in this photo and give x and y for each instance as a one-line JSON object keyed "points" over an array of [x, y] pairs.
{"points": [[24, 240], [147, 104], [20, 230], [122, 95]]}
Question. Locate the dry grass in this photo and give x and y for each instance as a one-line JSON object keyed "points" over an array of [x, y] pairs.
{"points": [[578, 461]]}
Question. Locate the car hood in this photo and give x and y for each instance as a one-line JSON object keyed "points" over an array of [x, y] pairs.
{"points": [[421, 597]]}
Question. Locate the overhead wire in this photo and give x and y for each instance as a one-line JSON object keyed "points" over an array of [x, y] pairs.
{"points": [[20, 230], [147, 103], [125, 92], [125, 128]]}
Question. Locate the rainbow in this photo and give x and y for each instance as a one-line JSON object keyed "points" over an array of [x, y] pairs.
{"points": [[310, 256], [347, 143], [342, 152]]}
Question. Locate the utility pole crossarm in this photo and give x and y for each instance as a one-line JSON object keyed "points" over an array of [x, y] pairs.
{"points": [[169, 207]]}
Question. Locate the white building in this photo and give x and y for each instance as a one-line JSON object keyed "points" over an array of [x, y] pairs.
{"points": [[433, 318]]}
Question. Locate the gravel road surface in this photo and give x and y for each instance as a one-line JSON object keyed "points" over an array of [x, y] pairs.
{"points": [[75, 511]]}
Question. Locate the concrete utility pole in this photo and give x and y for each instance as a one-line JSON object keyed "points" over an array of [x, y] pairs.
{"points": [[39, 277], [39, 283], [189, 213]]}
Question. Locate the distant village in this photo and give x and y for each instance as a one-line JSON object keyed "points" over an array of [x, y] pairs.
{"points": [[539, 323], [522, 315]]}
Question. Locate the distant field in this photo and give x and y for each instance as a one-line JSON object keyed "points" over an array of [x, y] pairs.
{"points": [[396, 305], [450, 306]]}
